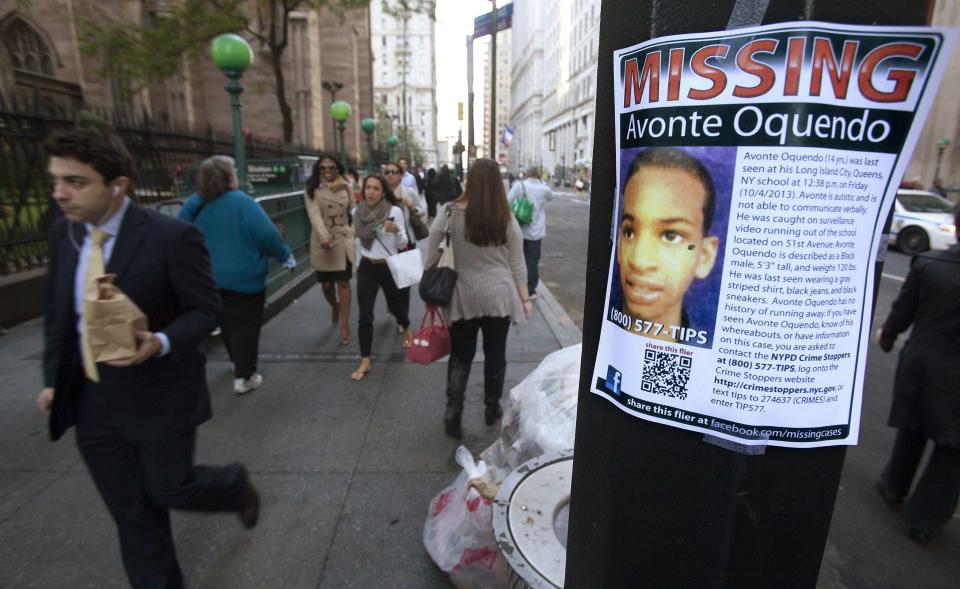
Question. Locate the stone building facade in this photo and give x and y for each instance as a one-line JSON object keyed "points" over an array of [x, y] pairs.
{"points": [[555, 85], [41, 63], [405, 67]]}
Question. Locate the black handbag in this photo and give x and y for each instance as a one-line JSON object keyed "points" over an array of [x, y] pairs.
{"points": [[439, 281], [420, 229]]}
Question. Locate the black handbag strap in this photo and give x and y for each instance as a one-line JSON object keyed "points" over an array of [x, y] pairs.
{"points": [[196, 213]]}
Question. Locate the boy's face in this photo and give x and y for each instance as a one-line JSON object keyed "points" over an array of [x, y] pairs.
{"points": [[661, 247]]}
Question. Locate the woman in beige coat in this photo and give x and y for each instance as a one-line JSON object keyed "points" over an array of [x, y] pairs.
{"points": [[329, 200]]}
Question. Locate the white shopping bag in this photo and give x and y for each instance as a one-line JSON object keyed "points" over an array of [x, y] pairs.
{"points": [[406, 267]]}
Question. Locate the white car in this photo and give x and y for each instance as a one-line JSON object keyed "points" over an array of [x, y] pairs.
{"points": [[921, 221]]}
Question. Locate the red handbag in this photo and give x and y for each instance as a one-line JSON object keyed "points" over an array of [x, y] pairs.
{"points": [[430, 342]]}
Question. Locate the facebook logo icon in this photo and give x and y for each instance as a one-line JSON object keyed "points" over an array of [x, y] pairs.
{"points": [[613, 380]]}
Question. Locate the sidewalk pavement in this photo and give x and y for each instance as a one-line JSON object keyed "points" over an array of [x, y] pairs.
{"points": [[346, 470]]}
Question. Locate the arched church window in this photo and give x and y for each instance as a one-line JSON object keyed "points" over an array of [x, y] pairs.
{"points": [[28, 50]]}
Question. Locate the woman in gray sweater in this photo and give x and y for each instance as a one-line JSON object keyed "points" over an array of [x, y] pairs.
{"points": [[491, 286]]}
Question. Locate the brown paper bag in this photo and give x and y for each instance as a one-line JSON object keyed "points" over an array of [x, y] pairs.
{"points": [[112, 318]]}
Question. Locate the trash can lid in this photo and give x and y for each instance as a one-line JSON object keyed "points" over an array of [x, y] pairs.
{"points": [[530, 515]]}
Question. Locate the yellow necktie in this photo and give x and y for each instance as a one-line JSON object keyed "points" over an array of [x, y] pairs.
{"points": [[95, 269]]}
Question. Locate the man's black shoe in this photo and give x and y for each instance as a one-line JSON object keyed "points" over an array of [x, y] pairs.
{"points": [[250, 511]]}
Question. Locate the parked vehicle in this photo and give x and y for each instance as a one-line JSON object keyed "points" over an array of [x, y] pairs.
{"points": [[921, 221]]}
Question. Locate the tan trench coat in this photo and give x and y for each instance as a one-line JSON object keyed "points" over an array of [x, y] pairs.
{"points": [[329, 213]]}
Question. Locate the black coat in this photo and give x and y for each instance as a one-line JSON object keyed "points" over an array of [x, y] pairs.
{"points": [[163, 266], [926, 395], [446, 188]]}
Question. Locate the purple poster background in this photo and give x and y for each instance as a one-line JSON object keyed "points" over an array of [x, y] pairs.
{"points": [[700, 302]]}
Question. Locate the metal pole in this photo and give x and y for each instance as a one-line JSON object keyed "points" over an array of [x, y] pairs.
{"points": [[406, 55], [471, 148], [369, 154], [936, 173], [341, 127], [234, 88], [656, 506], [493, 81]]}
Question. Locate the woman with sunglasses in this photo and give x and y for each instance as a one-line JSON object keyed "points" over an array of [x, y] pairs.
{"points": [[380, 234], [328, 200], [406, 200], [491, 286]]}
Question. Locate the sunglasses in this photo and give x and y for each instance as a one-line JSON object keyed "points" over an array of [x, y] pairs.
{"points": [[328, 166], [392, 172]]}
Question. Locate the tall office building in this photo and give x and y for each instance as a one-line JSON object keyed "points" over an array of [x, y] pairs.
{"points": [[405, 77], [556, 68], [503, 97], [527, 85]]}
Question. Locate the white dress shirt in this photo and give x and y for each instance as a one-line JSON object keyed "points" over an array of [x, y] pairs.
{"points": [[111, 227], [386, 244]]}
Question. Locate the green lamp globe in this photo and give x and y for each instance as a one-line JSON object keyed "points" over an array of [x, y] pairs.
{"points": [[368, 125], [942, 142], [231, 52], [392, 141], [341, 111]]}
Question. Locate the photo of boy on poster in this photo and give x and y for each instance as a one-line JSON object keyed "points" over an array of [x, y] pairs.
{"points": [[669, 237]]}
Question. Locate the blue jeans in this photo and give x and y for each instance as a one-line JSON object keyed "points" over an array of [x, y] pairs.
{"points": [[531, 255]]}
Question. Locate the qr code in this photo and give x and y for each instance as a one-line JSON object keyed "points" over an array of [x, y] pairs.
{"points": [[666, 374]]}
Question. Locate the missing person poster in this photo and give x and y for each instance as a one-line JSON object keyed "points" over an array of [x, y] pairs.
{"points": [[756, 168]]}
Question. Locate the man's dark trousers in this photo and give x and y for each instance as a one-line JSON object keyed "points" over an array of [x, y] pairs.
{"points": [[934, 498], [531, 255], [141, 479]]}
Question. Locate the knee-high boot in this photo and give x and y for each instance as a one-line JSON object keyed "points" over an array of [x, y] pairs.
{"points": [[458, 372], [492, 391]]}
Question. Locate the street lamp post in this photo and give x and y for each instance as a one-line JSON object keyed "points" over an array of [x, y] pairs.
{"points": [[369, 126], [341, 111], [458, 150], [392, 143], [333, 86], [232, 54], [942, 145]]}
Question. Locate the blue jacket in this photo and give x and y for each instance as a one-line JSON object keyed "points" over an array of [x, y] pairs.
{"points": [[240, 237]]}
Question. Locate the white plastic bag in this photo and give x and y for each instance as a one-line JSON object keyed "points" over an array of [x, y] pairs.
{"points": [[543, 411], [458, 533], [406, 267]]}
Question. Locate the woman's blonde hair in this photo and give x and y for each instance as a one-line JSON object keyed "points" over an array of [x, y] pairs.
{"points": [[214, 176]]}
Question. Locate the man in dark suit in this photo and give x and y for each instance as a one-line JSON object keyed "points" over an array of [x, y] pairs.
{"points": [[926, 393], [136, 418]]}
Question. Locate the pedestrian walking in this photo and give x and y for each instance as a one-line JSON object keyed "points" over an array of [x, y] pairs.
{"points": [[491, 287], [328, 199], [406, 197], [446, 187], [429, 194], [412, 222], [926, 393], [240, 238], [533, 189], [380, 234], [135, 418], [408, 179]]}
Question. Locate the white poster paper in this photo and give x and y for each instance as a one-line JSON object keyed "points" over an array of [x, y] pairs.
{"points": [[755, 171]]}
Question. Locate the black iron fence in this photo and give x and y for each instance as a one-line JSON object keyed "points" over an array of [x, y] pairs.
{"points": [[163, 154]]}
